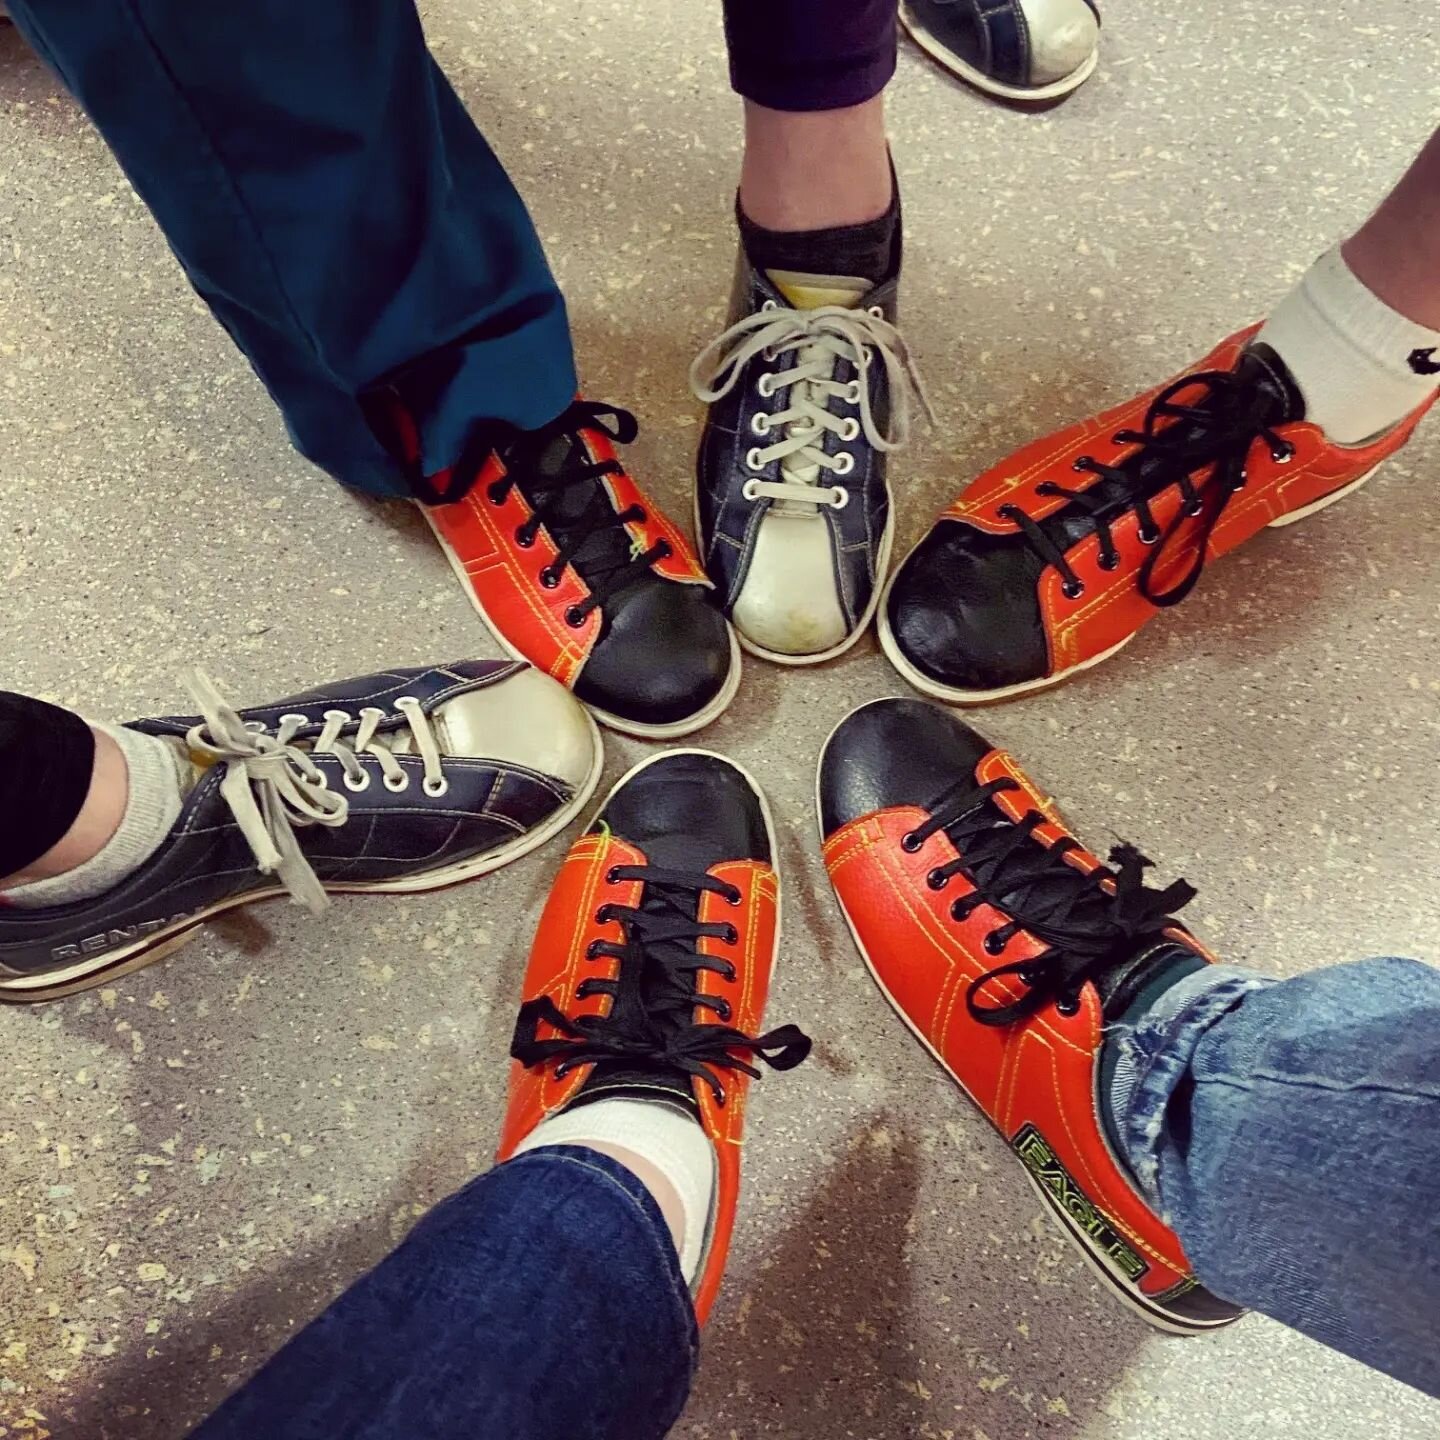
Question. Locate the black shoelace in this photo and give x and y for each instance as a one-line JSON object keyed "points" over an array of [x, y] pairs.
{"points": [[570, 502], [654, 994], [1218, 431], [1086, 926]]}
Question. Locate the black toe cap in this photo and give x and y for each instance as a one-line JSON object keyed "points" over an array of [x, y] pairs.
{"points": [[894, 752], [965, 609], [664, 656], [689, 810]]}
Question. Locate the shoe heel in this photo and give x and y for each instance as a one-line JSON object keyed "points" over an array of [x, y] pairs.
{"points": [[1315, 507]]}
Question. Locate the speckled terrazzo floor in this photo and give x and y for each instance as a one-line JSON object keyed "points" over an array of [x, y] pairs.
{"points": [[195, 1160]]}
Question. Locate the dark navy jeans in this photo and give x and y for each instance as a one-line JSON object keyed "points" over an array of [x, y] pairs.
{"points": [[1290, 1132], [335, 206]]}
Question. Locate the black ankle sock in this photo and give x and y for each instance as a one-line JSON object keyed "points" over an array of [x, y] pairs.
{"points": [[869, 251]]}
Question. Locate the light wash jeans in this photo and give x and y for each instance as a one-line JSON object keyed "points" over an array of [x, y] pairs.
{"points": [[1290, 1132]]}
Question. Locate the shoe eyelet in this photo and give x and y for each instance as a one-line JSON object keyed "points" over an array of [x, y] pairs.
{"points": [[750, 490], [549, 579], [664, 550], [319, 781], [910, 842], [1149, 537], [764, 386], [734, 896], [937, 879], [1045, 488], [839, 497], [495, 493], [363, 783], [844, 463], [435, 788], [1072, 591], [592, 950], [1109, 562], [396, 783], [731, 936], [524, 539], [851, 429], [294, 715], [1068, 1005], [753, 460], [1121, 437], [1082, 462], [878, 311], [760, 423], [612, 875], [343, 716], [993, 946], [770, 305], [729, 972], [605, 914], [958, 912], [852, 395], [1195, 508], [1284, 455], [575, 617]]}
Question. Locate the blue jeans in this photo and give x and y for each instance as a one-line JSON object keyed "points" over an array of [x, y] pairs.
{"points": [[1290, 1131]]}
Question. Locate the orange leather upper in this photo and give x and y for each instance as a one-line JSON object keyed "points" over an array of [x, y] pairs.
{"points": [[505, 575], [1038, 1072], [1111, 607], [558, 964]]}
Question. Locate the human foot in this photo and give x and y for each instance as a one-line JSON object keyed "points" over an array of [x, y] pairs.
{"points": [[647, 984], [1007, 949], [403, 781], [577, 571], [1051, 561]]}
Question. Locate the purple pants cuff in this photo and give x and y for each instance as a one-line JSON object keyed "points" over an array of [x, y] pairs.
{"points": [[810, 54]]}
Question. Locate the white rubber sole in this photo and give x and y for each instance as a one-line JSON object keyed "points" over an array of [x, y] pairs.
{"points": [[952, 696], [124, 959], [946, 57], [1121, 1289], [819, 657], [672, 731]]}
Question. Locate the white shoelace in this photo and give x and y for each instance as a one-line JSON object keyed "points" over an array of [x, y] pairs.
{"points": [[814, 341], [272, 785]]}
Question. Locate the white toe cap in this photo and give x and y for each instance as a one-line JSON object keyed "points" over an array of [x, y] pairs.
{"points": [[788, 603], [1063, 35], [526, 719]]}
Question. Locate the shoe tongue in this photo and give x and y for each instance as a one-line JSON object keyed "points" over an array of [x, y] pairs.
{"points": [[1261, 366], [601, 550], [1134, 984], [618, 1078], [809, 292]]}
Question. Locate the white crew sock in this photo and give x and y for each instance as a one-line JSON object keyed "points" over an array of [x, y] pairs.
{"points": [[1353, 357], [160, 777], [662, 1134]]}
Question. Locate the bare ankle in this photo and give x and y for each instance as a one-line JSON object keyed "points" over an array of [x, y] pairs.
{"points": [[96, 824], [815, 170]]}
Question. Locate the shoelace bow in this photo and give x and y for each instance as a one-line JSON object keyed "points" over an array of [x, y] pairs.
{"points": [[273, 787], [551, 497], [1218, 432], [814, 342], [654, 995], [1087, 926]]}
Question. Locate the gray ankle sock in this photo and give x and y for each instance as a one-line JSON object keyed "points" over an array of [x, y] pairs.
{"points": [[160, 778]]}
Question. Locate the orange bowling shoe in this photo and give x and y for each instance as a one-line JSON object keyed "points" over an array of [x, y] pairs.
{"points": [[649, 972], [577, 571], [1006, 947], [1051, 561]]}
